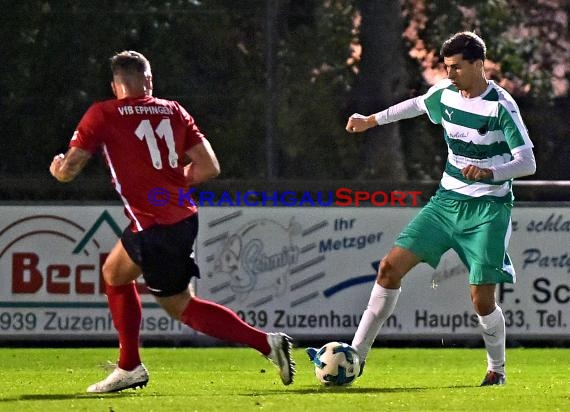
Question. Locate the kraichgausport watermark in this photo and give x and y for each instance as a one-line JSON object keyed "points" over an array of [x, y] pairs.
{"points": [[251, 198]]}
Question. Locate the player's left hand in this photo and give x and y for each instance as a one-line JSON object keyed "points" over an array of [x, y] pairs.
{"points": [[359, 123], [477, 174]]}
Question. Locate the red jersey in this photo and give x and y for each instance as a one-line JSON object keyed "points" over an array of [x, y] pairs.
{"points": [[143, 140]]}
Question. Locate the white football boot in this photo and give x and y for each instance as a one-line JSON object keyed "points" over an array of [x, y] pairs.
{"points": [[280, 355], [121, 379]]}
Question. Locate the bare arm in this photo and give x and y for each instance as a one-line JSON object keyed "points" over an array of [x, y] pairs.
{"points": [[66, 167], [203, 164]]}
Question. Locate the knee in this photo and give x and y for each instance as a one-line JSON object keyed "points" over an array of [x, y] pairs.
{"points": [[388, 276], [109, 275], [483, 305], [106, 271], [180, 307]]}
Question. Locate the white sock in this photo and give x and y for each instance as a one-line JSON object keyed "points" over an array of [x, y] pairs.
{"points": [[380, 306], [494, 336]]}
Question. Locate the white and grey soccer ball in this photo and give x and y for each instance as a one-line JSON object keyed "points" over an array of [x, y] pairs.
{"points": [[336, 363]]}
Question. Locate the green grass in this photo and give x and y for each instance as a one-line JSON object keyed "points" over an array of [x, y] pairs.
{"points": [[235, 379]]}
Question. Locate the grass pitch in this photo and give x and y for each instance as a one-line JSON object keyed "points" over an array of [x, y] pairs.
{"points": [[236, 379]]}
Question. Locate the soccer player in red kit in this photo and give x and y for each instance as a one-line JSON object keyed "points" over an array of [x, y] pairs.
{"points": [[151, 144]]}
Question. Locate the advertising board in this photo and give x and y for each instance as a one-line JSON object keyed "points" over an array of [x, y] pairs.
{"points": [[304, 270]]}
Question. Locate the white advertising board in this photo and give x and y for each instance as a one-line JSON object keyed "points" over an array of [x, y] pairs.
{"points": [[309, 271], [304, 270], [50, 274]]}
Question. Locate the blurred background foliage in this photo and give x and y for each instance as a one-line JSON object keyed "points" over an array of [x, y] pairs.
{"points": [[292, 68]]}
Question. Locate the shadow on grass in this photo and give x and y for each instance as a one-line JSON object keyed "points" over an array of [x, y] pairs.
{"points": [[301, 391], [357, 390], [63, 396]]}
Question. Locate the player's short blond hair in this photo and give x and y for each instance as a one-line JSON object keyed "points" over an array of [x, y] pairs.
{"points": [[130, 62]]}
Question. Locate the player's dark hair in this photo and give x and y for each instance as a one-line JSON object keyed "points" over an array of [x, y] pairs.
{"points": [[130, 62], [466, 43]]}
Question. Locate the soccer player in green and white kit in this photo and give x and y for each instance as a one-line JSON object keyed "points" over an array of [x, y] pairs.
{"points": [[488, 146]]}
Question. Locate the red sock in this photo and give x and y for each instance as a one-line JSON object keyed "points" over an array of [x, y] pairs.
{"points": [[126, 311], [222, 323]]}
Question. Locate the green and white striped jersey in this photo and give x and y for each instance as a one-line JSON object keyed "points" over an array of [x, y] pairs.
{"points": [[483, 131]]}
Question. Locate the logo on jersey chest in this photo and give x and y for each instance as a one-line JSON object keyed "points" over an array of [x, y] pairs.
{"points": [[467, 135], [483, 130]]}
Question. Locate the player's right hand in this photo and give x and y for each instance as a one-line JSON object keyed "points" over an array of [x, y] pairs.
{"points": [[56, 164]]}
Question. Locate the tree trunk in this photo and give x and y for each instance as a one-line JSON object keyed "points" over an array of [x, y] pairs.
{"points": [[382, 82]]}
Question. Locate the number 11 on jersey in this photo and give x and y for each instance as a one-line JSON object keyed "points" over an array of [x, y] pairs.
{"points": [[163, 131]]}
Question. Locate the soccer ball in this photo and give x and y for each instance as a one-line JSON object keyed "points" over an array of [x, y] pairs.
{"points": [[336, 363]]}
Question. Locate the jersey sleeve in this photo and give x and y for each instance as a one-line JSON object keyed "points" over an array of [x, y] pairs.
{"points": [[87, 135], [523, 164], [403, 110], [511, 123], [431, 101], [193, 134]]}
